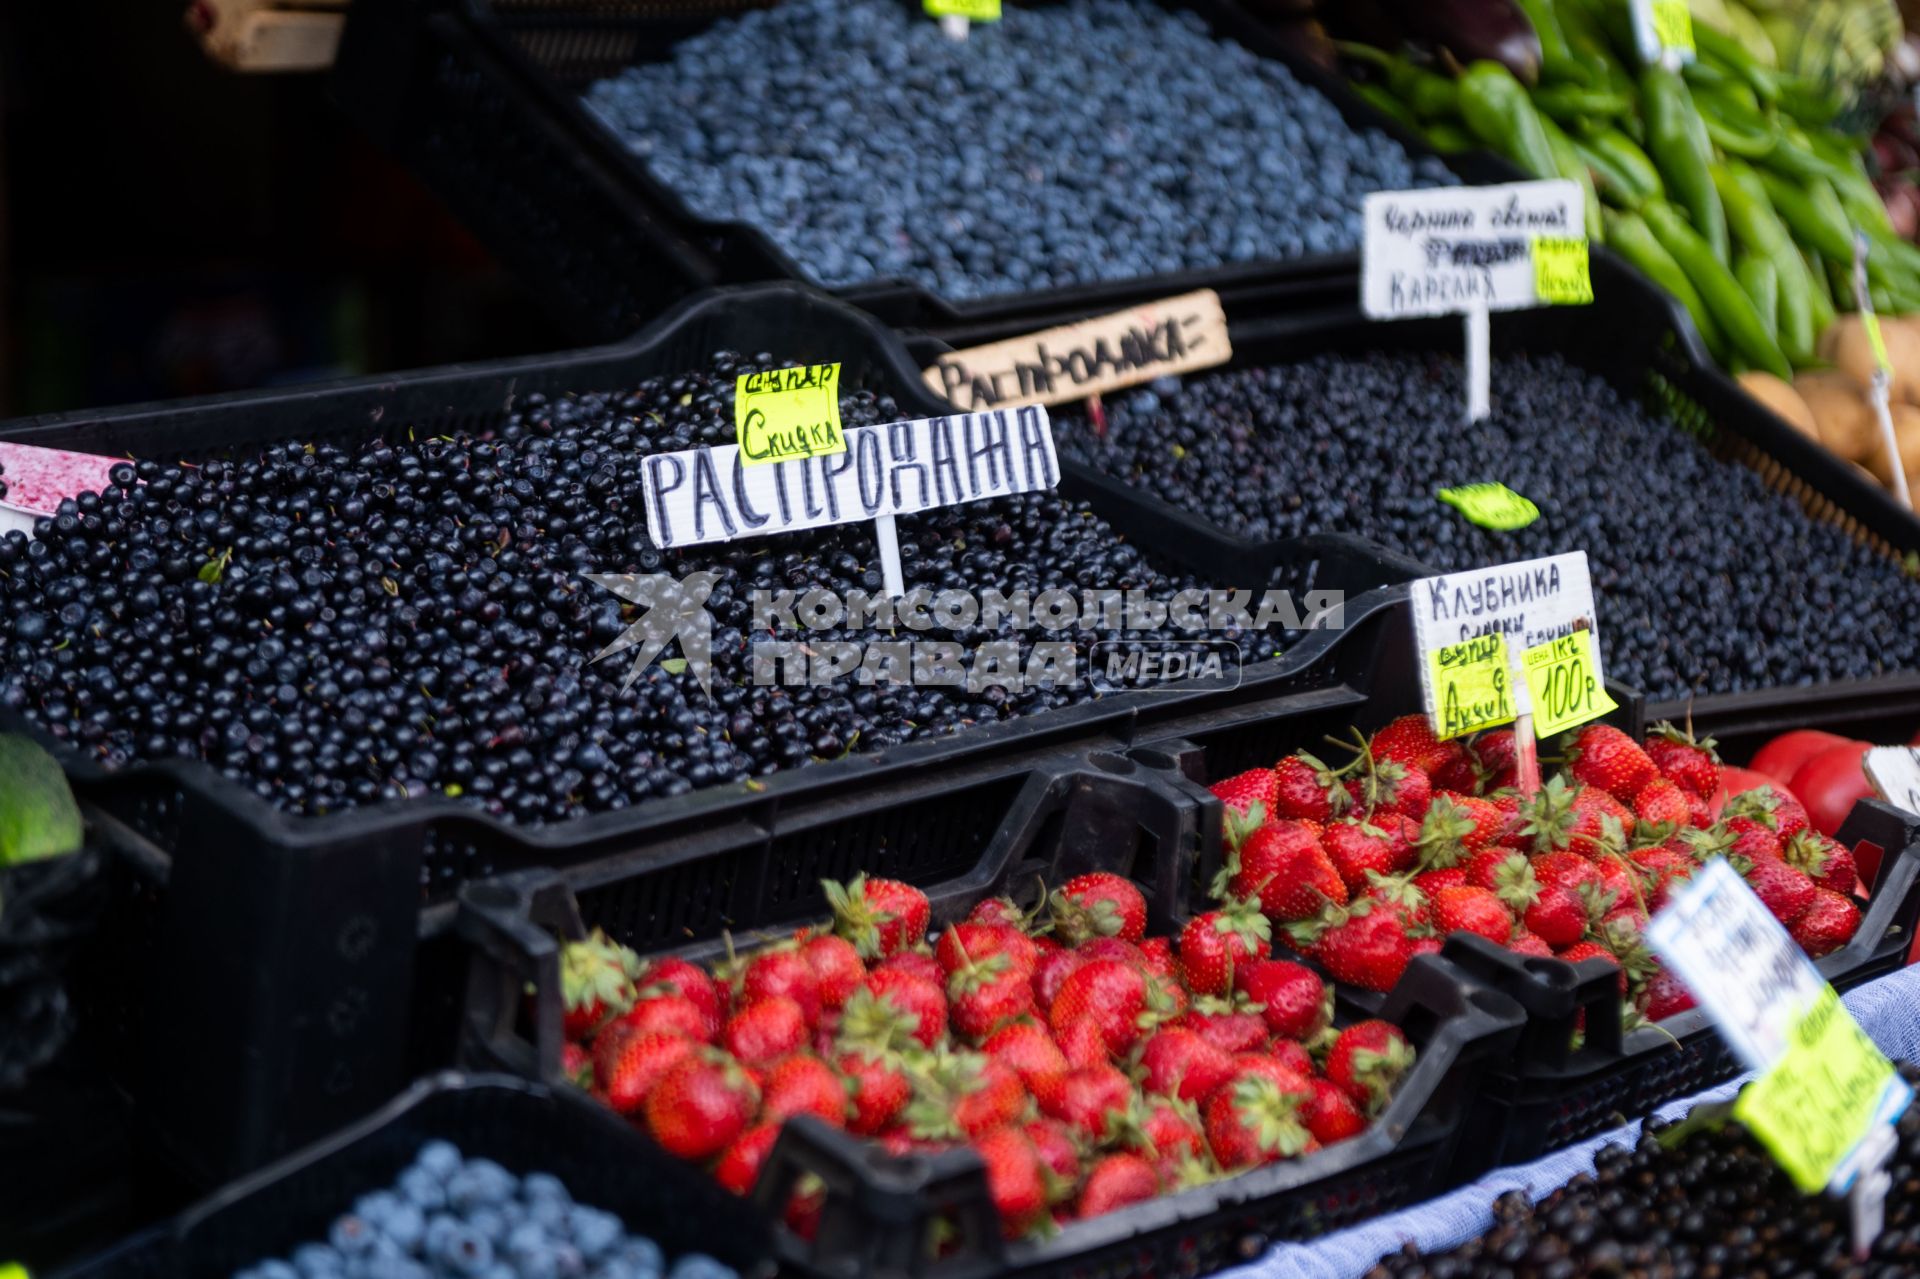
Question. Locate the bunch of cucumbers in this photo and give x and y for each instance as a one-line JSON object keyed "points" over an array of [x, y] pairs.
{"points": [[1726, 182]]}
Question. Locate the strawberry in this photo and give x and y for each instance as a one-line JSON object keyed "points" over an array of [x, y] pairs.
{"points": [[1552, 914], [1258, 1121], [1828, 923], [1217, 942], [740, 1163], [1600, 822], [782, 970], [1472, 910], [1605, 757], [1666, 996], [1390, 787], [837, 967], [1781, 889], [1358, 848], [628, 1062], [1410, 740], [1182, 1063], [701, 1105], [1460, 773], [1113, 948], [985, 994], [1100, 904], [999, 910], [913, 963], [1059, 1155], [984, 1094], [1367, 1061], [879, 916], [877, 1088], [595, 984], [1767, 808], [668, 1013], [1525, 943], [1689, 764], [1565, 870], [764, 1031], [1231, 1025], [1082, 1044], [1496, 759], [1167, 1132], [1114, 994], [576, 1065], [1014, 1179], [1116, 1182], [1295, 1003], [1243, 792], [1827, 862], [804, 1085], [1029, 1051], [1662, 803], [1156, 954], [1468, 821], [1665, 869], [893, 1009], [1483, 868], [1051, 972], [1580, 952], [1330, 1114], [1406, 899], [1285, 867], [1090, 1101], [1429, 882], [1307, 790], [1754, 843], [1361, 945]]}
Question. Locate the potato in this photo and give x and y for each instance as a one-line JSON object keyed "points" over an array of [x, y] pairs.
{"points": [[1841, 410], [1783, 400], [1906, 430], [1853, 355]]}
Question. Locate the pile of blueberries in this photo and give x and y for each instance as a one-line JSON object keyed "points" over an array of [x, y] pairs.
{"points": [[450, 1217], [1067, 143], [1706, 581], [334, 625]]}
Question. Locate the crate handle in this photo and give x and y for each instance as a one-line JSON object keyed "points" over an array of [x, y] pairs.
{"points": [[514, 926], [1552, 992]]}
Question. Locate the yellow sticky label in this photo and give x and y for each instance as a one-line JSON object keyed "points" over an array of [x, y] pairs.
{"points": [[971, 10], [1673, 25], [1563, 683], [1820, 1099], [1560, 270], [1490, 505], [1470, 686], [786, 414], [1877, 342], [13, 1270]]}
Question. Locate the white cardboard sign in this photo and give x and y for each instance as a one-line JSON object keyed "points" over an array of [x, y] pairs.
{"points": [[1895, 773], [1528, 601], [706, 495], [1458, 250]]}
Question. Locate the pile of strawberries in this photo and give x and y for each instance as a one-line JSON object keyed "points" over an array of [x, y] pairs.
{"points": [[1089, 1065], [1366, 865]]}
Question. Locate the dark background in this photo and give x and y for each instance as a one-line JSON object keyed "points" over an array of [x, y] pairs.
{"points": [[169, 228]]}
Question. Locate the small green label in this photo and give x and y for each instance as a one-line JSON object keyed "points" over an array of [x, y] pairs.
{"points": [[971, 10], [1470, 686], [1818, 1101], [1561, 270], [1491, 505]]}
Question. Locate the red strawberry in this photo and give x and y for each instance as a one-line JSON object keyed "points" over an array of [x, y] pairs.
{"points": [[628, 1062], [1362, 945], [1177, 1062], [1229, 1026], [804, 1085], [1051, 973], [1754, 843], [1090, 1101], [913, 963], [1058, 1153], [984, 1094], [1113, 948], [1496, 758], [1552, 914], [1243, 791], [877, 1086], [1483, 868], [893, 1008], [983, 942], [985, 994], [1666, 996], [1406, 899], [1781, 889], [1565, 870], [999, 910], [1295, 1003], [1359, 848], [1392, 787], [1828, 923], [701, 1105], [837, 968], [1082, 1044], [1472, 910], [1285, 867], [1690, 764], [1100, 904], [576, 1065], [1166, 1132], [1662, 803], [1029, 1051], [673, 975], [1157, 954], [1460, 773], [1114, 994], [1215, 943], [1605, 757], [764, 1031], [1665, 869], [782, 970], [1116, 1182], [1014, 1181], [1580, 952], [1430, 882], [1306, 789], [1410, 740], [1331, 1115], [740, 1164], [1600, 822], [1258, 1121], [1368, 1060], [1767, 808], [1827, 862], [668, 1014], [595, 984], [1526, 943], [879, 916], [1471, 821]]}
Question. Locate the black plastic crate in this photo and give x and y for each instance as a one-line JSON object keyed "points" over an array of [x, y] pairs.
{"points": [[1100, 812], [480, 98], [1884, 710], [521, 1125], [294, 972]]}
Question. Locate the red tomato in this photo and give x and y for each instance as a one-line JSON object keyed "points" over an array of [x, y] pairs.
{"points": [[1737, 781], [1830, 783], [1781, 758]]}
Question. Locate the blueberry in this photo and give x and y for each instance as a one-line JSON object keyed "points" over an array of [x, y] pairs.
{"points": [[421, 1188], [638, 1256], [537, 1187], [318, 1261], [479, 1183], [464, 1250], [441, 1158], [697, 1265], [351, 1235], [594, 1231]]}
